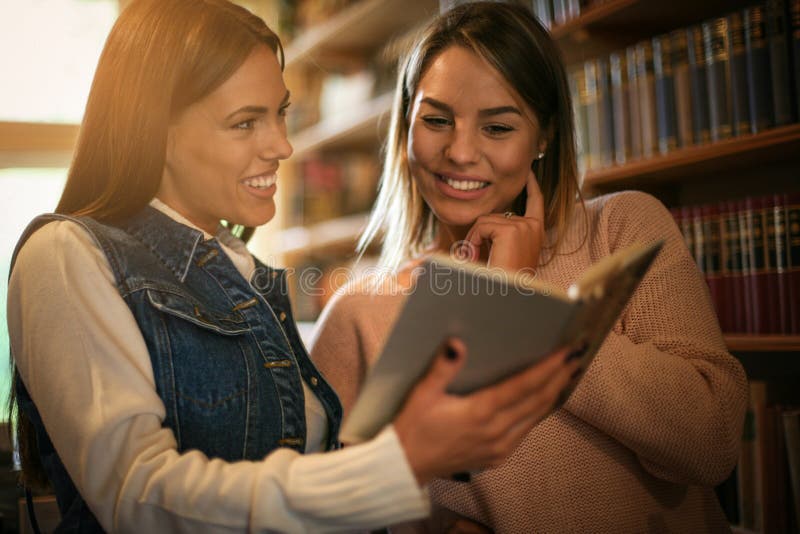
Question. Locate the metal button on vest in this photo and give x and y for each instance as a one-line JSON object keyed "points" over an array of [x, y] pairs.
{"points": [[314, 381], [282, 316]]}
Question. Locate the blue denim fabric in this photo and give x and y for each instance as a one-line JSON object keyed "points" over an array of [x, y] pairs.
{"points": [[226, 354]]}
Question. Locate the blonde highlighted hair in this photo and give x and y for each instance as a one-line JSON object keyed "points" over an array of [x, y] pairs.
{"points": [[510, 39]]}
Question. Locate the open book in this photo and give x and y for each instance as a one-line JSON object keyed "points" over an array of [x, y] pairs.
{"points": [[507, 321]]}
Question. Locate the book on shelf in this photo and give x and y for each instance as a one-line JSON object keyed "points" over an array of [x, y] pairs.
{"points": [[699, 84], [757, 69], [777, 43], [634, 110], [715, 41], [683, 88], [544, 12], [665, 94], [647, 98], [744, 250], [620, 108], [482, 307], [740, 104], [606, 112]]}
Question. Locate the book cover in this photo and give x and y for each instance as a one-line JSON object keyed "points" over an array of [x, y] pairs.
{"points": [[740, 101], [620, 107], [715, 40], [665, 94], [491, 311], [779, 61], [683, 88], [633, 103], [647, 98], [699, 85], [759, 88]]}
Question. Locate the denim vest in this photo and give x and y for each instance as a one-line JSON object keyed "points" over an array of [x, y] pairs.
{"points": [[226, 354]]}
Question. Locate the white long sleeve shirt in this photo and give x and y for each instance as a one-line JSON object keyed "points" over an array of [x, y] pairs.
{"points": [[84, 362]]}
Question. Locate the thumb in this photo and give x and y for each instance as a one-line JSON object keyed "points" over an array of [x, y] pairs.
{"points": [[449, 359]]}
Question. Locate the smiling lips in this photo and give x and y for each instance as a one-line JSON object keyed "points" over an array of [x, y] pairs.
{"points": [[262, 181], [461, 187]]}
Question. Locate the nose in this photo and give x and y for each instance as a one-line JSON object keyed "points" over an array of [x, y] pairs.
{"points": [[462, 148], [275, 144]]}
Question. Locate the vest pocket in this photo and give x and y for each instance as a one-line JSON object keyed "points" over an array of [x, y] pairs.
{"points": [[189, 309]]}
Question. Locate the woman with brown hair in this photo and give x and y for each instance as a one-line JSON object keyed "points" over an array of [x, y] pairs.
{"points": [[160, 381], [481, 156]]}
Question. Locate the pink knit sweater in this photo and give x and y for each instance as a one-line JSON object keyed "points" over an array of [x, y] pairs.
{"points": [[654, 424]]}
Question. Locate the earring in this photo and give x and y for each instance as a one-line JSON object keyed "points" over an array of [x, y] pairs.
{"points": [[541, 155]]}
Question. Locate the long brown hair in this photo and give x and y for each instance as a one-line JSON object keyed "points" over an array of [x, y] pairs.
{"points": [[510, 39], [160, 57]]}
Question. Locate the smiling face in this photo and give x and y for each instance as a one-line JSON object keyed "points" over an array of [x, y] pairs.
{"points": [[224, 150], [471, 139]]}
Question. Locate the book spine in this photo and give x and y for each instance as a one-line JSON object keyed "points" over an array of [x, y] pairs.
{"points": [[591, 99], [758, 278], [647, 97], [739, 97], [792, 203], [606, 112], [682, 88], [560, 11], [732, 264], [745, 214], [779, 61], [746, 472], [715, 39], [794, 32], [780, 262], [633, 103], [665, 94], [712, 256], [773, 307], [577, 89], [699, 85], [620, 105], [758, 69], [728, 270]]}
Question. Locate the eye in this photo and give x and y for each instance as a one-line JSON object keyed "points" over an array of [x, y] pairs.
{"points": [[249, 124], [498, 130], [436, 121], [284, 109]]}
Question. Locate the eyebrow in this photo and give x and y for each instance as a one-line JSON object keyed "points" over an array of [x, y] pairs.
{"points": [[258, 109], [485, 112]]}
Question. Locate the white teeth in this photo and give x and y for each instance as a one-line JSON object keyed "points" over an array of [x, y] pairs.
{"points": [[261, 182], [464, 185]]}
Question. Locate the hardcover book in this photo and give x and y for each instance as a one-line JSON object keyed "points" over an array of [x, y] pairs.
{"points": [[508, 323]]}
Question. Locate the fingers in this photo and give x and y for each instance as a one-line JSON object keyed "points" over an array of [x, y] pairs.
{"points": [[450, 358], [534, 207]]}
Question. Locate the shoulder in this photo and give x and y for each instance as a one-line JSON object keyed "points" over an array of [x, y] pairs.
{"points": [[627, 217], [58, 240]]}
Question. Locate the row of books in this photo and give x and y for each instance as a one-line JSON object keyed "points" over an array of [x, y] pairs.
{"points": [[763, 494], [333, 185], [555, 12], [729, 76], [749, 252]]}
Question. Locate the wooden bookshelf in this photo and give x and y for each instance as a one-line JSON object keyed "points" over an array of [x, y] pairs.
{"points": [[363, 126], [614, 24], [763, 343], [31, 144], [775, 145], [334, 234], [362, 26]]}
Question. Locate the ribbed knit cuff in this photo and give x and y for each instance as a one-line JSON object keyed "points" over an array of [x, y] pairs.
{"points": [[369, 485]]}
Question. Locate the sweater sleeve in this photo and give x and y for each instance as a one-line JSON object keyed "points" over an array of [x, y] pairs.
{"points": [[84, 362], [663, 383]]}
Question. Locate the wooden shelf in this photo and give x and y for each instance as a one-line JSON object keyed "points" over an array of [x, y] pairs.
{"points": [[778, 144], [331, 234], [766, 343], [31, 144], [363, 26], [362, 126], [615, 24]]}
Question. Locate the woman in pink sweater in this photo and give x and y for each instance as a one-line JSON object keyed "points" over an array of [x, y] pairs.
{"points": [[481, 157]]}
